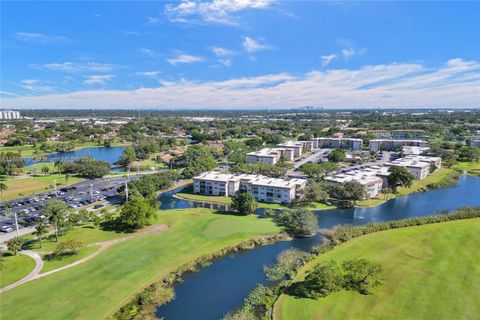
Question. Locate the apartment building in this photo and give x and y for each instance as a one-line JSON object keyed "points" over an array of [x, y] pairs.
{"points": [[263, 188], [338, 143], [411, 150], [296, 146], [419, 169], [270, 155], [372, 185], [267, 156], [389, 144], [9, 115]]}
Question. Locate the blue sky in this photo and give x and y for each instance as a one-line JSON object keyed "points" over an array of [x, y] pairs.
{"points": [[239, 54]]}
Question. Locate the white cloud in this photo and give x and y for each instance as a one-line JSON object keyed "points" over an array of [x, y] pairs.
{"points": [[395, 85], [72, 67], [35, 85], [39, 37], [215, 11], [153, 21], [252, 45], [148, 73], [184, 58], [326, 60], [98, 79], [350, 52], [149, 52], [222, 52]]}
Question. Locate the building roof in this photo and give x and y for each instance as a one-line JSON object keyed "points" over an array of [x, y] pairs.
{"points": [[253, 179]]}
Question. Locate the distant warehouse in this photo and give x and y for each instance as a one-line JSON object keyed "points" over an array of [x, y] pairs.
{"points": [[263, 188]]}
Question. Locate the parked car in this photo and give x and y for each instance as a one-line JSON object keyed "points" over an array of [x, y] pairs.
{"points": [[6, 228]]}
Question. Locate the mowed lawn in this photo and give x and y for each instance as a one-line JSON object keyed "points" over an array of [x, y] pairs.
{"points": [[432, 272], [472, 168], [20, 186], [14, 269], [97, 288]]}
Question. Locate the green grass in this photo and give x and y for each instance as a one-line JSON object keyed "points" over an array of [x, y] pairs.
{"points": [[59, 262], [432, 272], [472, 168], [87, 234], [22, 186], [97, 288], [15, 268]]}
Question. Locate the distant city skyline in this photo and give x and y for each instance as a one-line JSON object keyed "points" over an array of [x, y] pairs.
{"points": [[254, 54]]}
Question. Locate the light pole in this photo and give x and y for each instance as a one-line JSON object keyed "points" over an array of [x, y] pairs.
{"points": [[55, 187], [126, 190]]}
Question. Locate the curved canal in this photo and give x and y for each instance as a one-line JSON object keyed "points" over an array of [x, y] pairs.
{"points": [[222, 286]]}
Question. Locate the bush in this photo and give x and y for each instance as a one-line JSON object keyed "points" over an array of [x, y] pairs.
{"points": [[244, 203]]}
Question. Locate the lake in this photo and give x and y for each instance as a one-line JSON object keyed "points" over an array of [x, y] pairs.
{"points": [[111, 155], [221, 287]]}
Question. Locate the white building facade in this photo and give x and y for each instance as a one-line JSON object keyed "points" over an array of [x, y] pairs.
{"points": [[10, 115], [263, 188]]}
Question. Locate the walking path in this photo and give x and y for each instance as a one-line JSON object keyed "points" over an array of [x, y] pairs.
{"points": [[35, 274]]}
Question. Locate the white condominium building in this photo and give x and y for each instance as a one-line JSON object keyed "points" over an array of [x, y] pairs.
{"points": [[263, 188], [419, 169], [338, 143], [270, 155], [411, 150], [296, 146], [389, 144], [9, 115], [372, 185]]}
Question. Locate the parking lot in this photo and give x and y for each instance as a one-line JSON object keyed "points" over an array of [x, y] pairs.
{"points": [[29, 209]]}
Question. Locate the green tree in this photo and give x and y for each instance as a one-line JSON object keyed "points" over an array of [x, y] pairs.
{"points": [[324, 279], [337, 155], [40, 231], [45, 170], [235, 151], [15, 245], [137, 213], [128, 156], [399, 177], [197, 159], [56, 211], [318, 170], [314, 192], [59, 165], [361, 275], [297, 222], [244, 203]]}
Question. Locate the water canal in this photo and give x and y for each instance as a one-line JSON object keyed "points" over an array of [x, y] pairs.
{"points": [[222, 286]]}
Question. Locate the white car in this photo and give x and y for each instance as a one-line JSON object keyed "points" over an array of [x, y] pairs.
{"points": [[6, 229]]}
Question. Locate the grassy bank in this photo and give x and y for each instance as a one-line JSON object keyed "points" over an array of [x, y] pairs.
{"points": [[15, 268], [116, 275], [472, 168], [442, 177], [431, 273], [24, 186]]}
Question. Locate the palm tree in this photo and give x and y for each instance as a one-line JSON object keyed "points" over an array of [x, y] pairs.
{"points": [[56, 210], [40, 231], [3, 187], [14, 245]]}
